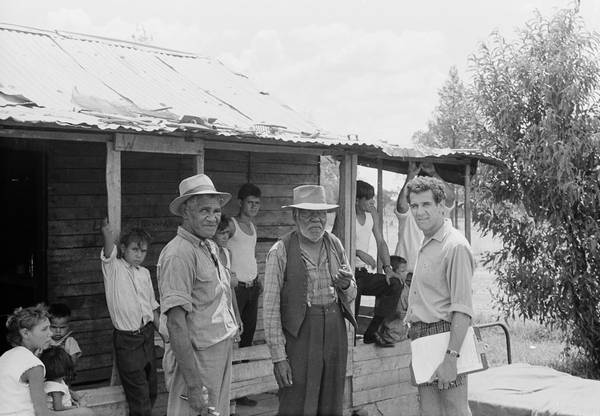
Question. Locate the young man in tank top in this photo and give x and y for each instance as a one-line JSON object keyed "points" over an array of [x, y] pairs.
{"points": [[387, 287], [242, 245]]}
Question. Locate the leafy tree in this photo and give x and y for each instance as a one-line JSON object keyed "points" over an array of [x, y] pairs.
{"points": [[538, 99], [454, 123]]}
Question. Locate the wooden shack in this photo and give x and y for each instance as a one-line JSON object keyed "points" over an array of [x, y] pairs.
{"points": [[93, 127]]}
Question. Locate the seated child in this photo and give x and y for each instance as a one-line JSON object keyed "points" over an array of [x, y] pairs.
{"points": [[399, 265], [59, 367], [393, 328], [60, 316]]}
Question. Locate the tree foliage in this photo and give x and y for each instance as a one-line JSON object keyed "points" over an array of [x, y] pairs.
{"points": [[537, 97], [454, 123]]}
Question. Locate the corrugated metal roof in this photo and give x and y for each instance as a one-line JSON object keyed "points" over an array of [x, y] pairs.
{"points": [[75, 80], [113, 80]]}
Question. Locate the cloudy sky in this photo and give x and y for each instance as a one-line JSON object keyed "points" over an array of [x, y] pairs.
{"points": [[370, 68]]}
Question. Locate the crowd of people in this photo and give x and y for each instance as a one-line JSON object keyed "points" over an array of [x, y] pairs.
{"points": [[209, 290]]}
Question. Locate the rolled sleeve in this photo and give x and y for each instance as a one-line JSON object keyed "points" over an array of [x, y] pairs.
{"points": [[459, 276], [274, 270], [176, 284], [108, 264]]}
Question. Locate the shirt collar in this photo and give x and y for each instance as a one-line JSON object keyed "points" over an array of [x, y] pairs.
{"points": [[186, 235], [441, 233], [129, 265]]}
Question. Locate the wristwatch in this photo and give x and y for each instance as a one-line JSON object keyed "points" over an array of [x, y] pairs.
{"points": [[385, 266], [452, 353]]}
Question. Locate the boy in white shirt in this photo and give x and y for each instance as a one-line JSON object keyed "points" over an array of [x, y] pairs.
{"points": [[134, 313]]}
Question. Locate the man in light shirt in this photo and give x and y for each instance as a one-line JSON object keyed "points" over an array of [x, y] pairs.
{"points": [[440, 298], [196, 299]]}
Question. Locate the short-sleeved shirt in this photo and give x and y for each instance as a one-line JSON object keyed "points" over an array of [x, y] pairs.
{"points": [[129, 294], [16, 399], [69, 344], [442, 278], [60, 387], [191, 276], [410, 238]]}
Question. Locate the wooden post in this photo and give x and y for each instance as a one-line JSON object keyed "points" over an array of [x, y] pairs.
{"points": [[113, 186], [380, 206], [113, 192], [346, 231], [199, 160], [347, 200], [468, 202]]}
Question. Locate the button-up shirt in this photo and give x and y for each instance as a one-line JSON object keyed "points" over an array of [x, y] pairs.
{"points": [[442, 278], [129, 294], [191, 276], [318, 292]]}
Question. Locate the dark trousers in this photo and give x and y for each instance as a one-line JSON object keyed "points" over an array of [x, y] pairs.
{"points": [[318, 361], [374, 284], [137, 368], [247, 300]]}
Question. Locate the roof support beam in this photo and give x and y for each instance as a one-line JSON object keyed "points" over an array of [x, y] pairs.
{"points": [[113, 187], [468, 202], [380, 206]]}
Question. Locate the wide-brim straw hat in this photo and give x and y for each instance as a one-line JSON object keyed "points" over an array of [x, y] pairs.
{"points": [[196, 185], [310, 197]]}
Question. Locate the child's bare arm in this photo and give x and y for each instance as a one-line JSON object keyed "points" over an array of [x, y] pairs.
{"points": [[109, 239], [57, 403]]}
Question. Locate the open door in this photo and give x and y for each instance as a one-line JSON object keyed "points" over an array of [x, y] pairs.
{"points": [[23, 225]]}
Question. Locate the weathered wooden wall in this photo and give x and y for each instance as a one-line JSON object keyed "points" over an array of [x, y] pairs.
{"points": [[77, 205], [381, 380]]}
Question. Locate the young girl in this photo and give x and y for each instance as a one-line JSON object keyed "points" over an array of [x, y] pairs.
{"points": [[59, 366]]}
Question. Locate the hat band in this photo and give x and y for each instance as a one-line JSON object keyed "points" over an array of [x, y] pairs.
{"points": [[200, 188]]}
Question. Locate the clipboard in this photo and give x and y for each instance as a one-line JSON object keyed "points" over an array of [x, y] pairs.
{"points": [[428, 352]]}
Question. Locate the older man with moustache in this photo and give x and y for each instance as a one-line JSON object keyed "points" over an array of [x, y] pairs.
{"points": [[196, 298], [440, 298], [309, 289]]}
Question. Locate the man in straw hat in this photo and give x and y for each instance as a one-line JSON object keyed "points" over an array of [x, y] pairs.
{"points": [[196, 299], [309, 289]]}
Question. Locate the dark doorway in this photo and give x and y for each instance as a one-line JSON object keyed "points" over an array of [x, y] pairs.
{"points": [[23, 225]]}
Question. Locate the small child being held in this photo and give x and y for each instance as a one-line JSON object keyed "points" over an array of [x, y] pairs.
{"points": [[221, 237], [399, 265], [60, 316], [59, 367]]}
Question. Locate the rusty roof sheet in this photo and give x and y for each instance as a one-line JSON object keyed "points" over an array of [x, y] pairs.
{"points": [[80, 81]]}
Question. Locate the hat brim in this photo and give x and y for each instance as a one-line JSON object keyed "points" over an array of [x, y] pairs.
{"points": [[312, 206], [175, 205]]}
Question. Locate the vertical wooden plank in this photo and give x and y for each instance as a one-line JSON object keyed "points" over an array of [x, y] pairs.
{"points": [[346, 229], [347, 200], [199, 162], [113, 192], [113, 186], [468, 202], [380, 206]]}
